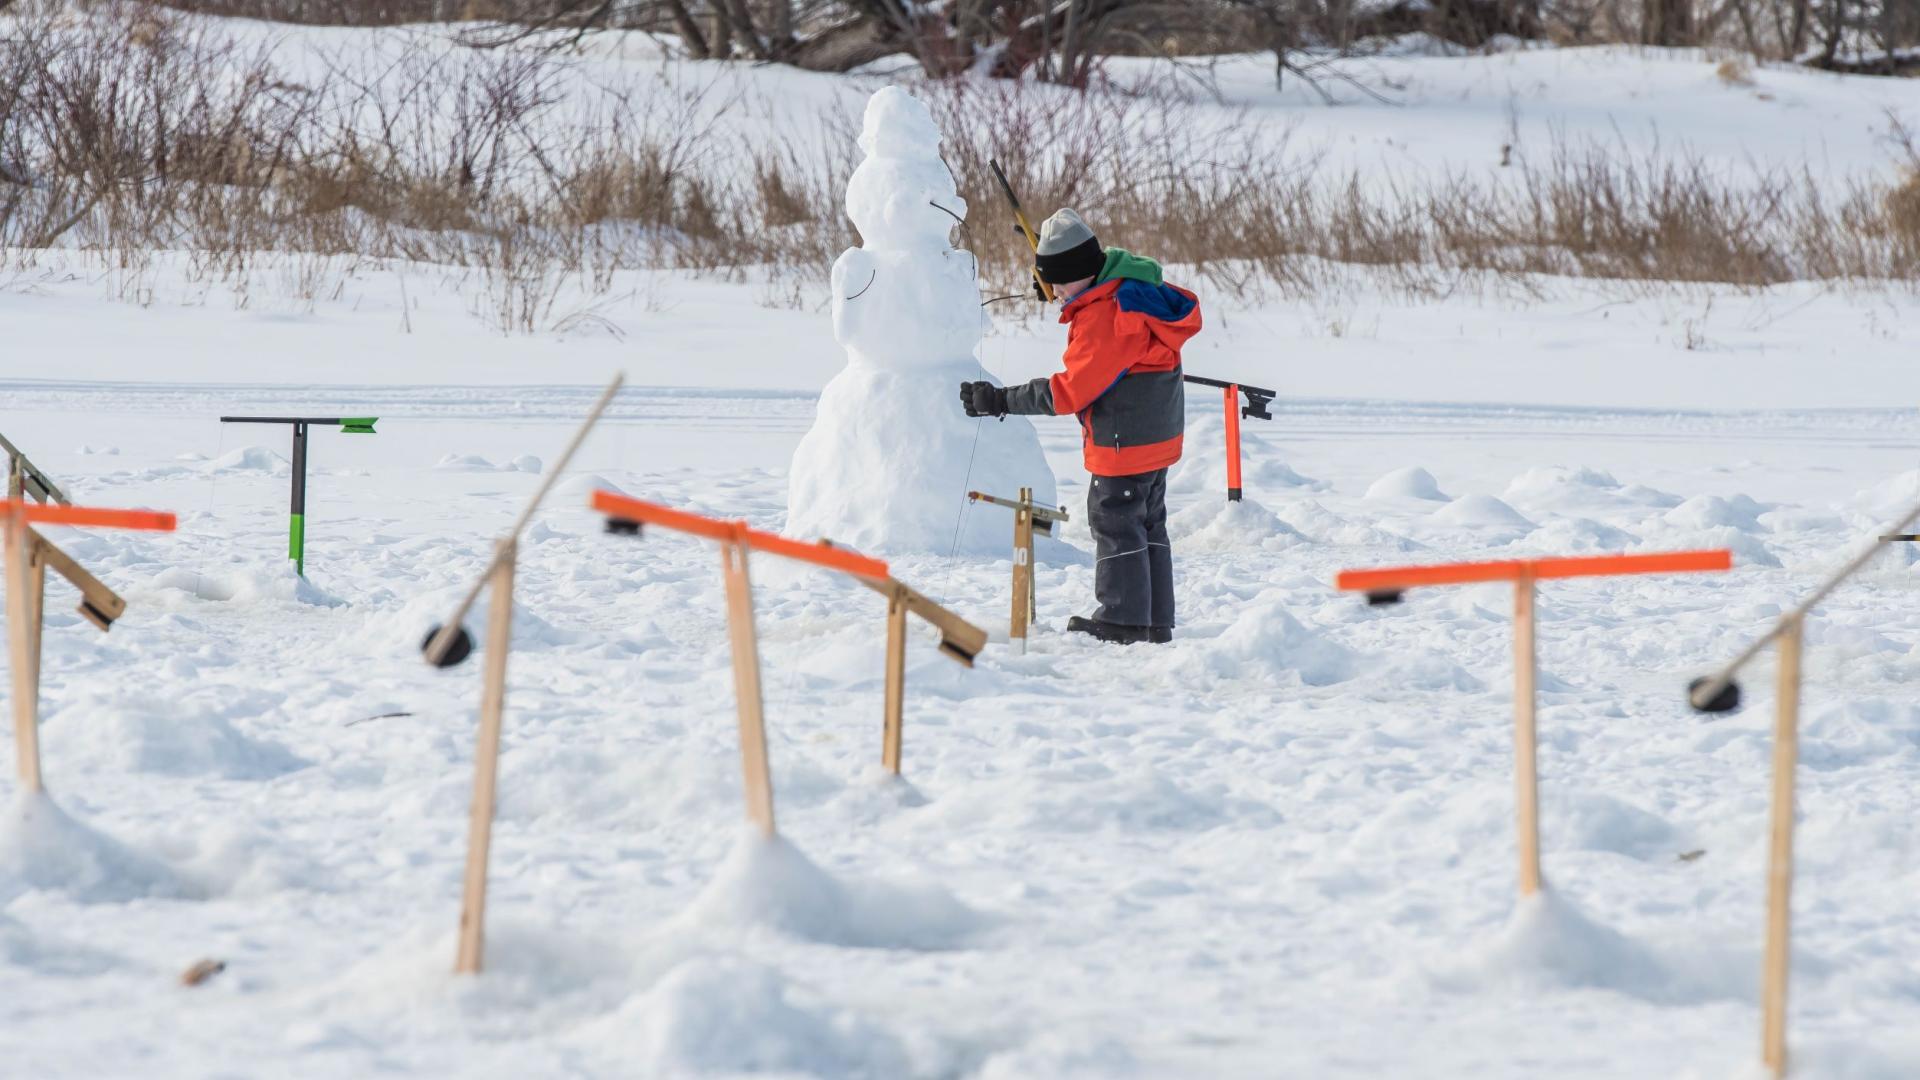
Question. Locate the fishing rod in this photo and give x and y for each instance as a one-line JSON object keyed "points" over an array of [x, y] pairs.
{"points": [[1019, 215]]}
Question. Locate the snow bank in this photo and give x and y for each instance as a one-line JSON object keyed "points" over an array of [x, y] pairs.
{"points": [[769, 883], [42, 848]]}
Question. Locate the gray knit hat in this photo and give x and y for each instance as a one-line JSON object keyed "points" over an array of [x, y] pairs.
{"points": [[1068, 250]]}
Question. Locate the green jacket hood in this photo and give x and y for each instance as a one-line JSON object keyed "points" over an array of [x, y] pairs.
{"points": [[1122, 263]]}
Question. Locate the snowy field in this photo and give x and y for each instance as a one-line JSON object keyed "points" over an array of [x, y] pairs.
{"points": [[1280, 847]]}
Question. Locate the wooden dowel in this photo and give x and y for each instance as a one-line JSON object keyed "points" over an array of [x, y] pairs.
{"points": [[22, 652], [1525, 744], [486, 764], [896, 681], [756, 772], [1786, 755], [1022, 570]]}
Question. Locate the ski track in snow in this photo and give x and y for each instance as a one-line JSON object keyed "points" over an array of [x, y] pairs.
{"points": [[1280, 847]]}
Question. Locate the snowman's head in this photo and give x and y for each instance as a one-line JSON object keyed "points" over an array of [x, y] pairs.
{"points": [[902, 196]]}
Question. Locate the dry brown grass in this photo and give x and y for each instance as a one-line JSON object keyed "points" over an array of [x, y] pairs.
{"points": [[119, 143]]}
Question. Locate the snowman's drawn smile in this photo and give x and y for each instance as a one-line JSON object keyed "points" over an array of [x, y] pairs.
{"points": [[871, 274]]}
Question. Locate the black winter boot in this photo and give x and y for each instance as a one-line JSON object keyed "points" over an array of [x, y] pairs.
{"points": [[1111, 633]]}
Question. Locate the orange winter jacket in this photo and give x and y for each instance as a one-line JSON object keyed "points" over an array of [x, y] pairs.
{"points": [[1122, 374]]}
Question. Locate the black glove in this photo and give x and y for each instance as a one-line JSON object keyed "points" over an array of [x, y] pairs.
{"points": [[983, 399], [1039, 291]]}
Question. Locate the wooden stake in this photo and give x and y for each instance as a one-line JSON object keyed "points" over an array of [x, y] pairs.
{"points": [[1786, 751], [1525, 751], [756, 773], [1022, 570], [486, 765], [896, 680], [23, 649]]}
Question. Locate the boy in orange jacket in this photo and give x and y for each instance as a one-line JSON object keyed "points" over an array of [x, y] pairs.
{"points": [[1125, 327]]}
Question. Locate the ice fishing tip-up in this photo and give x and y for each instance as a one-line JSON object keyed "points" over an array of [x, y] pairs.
{"points": [[28, 557], [1386, 586], [1028, 518], [1719, 693], [1258, 398], [297, 520], [24, 480]]}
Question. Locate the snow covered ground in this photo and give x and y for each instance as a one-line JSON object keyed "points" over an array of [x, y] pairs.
{"points": [[1281, 846]]}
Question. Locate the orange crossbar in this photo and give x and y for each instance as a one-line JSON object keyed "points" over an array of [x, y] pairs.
{"points": [[1407, 577], [53, 514], [821, 554]]}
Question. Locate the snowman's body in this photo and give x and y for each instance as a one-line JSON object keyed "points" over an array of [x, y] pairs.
{"points": [[891, 454]]}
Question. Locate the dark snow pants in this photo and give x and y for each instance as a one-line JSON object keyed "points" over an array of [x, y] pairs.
{"points": [[1133, 567]]}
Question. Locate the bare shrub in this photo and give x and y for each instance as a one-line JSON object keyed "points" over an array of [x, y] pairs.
{"points": [[127, 130]]}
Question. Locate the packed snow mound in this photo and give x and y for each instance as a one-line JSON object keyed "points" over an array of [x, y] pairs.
{"points": [[891, 454], [1480, 512], [1412, 482], [36, 951], [767, 882], [1203, 460], [1576, 535], [580, 487], [1224, 528], [169, 744], [1574, 820], [1312, 519], [1549, 945], [1088, 799], [1712, 511], [1747, 549], [452, 462], [1891, 497], [42, 848], [1580, 490], [250, 585], [251, 459], [1265, 643], [727, 1016]]}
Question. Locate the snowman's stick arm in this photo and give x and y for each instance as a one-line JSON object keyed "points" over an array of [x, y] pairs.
{"points": [[1019, 215]]}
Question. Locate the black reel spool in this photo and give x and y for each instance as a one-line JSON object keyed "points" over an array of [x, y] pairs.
{"points": [[459, 650], [1726, 701], [1384, 598], [1256, 407], [622, 527]]}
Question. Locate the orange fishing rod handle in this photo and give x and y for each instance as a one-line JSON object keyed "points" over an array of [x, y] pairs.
{"points": [[96, 517], [1232, 395], [1407, 577], [667, 517]]}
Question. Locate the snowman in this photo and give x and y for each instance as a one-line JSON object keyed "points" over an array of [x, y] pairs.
{"points": [[891, 454]]}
